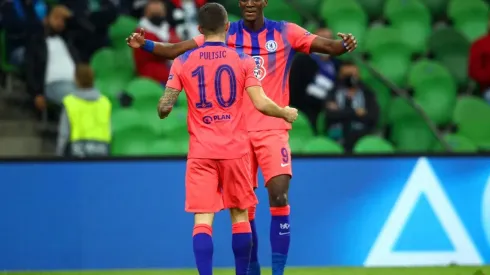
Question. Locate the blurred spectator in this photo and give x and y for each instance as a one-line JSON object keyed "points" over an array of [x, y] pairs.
{"points": [[22, 20], [352, 110], [85, 124], [184, 13], [479, 63], [157, 29], [91, 18], [312, 78]]}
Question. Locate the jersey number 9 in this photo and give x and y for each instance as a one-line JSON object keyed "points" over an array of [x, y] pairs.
{"points": [[203, 103]]}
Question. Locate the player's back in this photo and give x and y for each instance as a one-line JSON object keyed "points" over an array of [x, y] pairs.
{"points": [[214, 79]]}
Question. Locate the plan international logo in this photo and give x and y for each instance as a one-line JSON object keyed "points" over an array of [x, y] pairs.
{"points": [[423, 181]]}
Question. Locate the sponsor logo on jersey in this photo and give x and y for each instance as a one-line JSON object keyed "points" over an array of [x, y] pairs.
{"points": [[216, 118]]}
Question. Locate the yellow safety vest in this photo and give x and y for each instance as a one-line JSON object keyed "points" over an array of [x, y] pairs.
{"points": [[90, 125]]}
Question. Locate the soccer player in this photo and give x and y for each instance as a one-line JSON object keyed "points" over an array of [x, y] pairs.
{"points": [[272, 45], [218, 174]]}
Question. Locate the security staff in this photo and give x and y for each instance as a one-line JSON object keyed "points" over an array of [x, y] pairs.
{"points": [[85, 124]]}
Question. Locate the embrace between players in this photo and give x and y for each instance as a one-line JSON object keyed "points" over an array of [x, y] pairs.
{"points": [[234, 126]]}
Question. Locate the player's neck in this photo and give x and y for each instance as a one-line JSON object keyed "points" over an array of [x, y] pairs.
{"points": [[255, 25], [214, 38]]}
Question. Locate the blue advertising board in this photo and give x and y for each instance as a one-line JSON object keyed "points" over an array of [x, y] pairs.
{"points": [[345, 211]]}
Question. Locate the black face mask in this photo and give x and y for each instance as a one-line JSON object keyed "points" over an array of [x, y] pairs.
{"points": [[349, 81], [156, 19]]}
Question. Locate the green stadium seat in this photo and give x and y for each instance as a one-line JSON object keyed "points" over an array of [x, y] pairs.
{"points": [[412, 136], [125, 119], [322, 145], [373, 144], [182, 100], [321, 123], [145, 93], [451, 48], [301, 128], [129, 147], [131, 134], [124, 64], [232, 8], [471, 116], [401, 110], [111, 88], [458, 144], [233, 18], [169, 148], [374, 8], [174, 127], [310, 6], [280, 10], [389, 53], [412, 20], [346, 16], [103, 63], [435, 90], [119, 30], [469, 17], [437, 7], [296, 145]]}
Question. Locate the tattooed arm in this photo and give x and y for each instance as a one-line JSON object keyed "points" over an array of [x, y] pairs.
{"points": [[167, 101]]}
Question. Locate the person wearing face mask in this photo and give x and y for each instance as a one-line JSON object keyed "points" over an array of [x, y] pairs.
{"points": [[479, 63], [312, 78], [352, 110], [156, 28]]}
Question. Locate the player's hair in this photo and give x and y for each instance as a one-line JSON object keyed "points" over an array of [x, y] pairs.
{"points": [[60, 10], [212, 18], [85, 76]]}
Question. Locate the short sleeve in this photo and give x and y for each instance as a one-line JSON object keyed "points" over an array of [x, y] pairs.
{"points": [[199, 40], [299, 38], [174, 80], [250, 78]]}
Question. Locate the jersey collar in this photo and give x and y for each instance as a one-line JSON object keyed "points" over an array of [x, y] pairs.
{"points": [[214, 44], [266, 22]]}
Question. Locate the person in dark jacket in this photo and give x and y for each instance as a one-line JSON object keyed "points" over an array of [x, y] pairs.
{"points": [[352, 110], [312, 78], [51, 60]]}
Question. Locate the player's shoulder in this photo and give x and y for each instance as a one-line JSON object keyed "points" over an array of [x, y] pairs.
{"points": [[185, 56], [237, 54], [277, 25]]}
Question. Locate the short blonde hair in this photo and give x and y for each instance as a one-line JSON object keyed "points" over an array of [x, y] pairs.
{"points": [[61, 11]]}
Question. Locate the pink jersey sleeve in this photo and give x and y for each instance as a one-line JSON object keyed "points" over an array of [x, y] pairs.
{"points": [[250, 78], [199, 40], [299, 38], [174, 80]]}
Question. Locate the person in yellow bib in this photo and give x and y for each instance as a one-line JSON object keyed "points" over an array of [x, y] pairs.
{"points": [[85, 123]]}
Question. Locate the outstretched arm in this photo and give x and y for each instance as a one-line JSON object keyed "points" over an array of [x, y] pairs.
{"points": [[348, 43], [165, 50], [167, 102]]}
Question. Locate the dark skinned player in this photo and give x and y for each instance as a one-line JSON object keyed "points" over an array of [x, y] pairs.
{"points": [[272, 44]]}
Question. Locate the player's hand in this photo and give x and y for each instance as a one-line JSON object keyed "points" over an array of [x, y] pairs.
{"points": [[40, 102], [136, 40], [349, 40], [360, 112], [291, 114]]}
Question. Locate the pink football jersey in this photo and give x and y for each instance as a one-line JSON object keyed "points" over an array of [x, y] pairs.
{"points": [[214, 78]]}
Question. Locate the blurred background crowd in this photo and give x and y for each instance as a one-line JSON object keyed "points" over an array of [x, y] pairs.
{"points": [[419, 81]]}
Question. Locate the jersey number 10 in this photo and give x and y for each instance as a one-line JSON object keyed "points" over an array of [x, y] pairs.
{"points": [[203, 103]]}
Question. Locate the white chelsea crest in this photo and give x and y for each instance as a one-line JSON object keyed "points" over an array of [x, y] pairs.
{"points": [[271, 46]]}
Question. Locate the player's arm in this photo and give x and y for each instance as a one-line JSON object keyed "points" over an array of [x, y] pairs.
{"points": [[347, 43], [305, 42], [165, 50], [172, 90], [167, 102], [268, 107]]}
